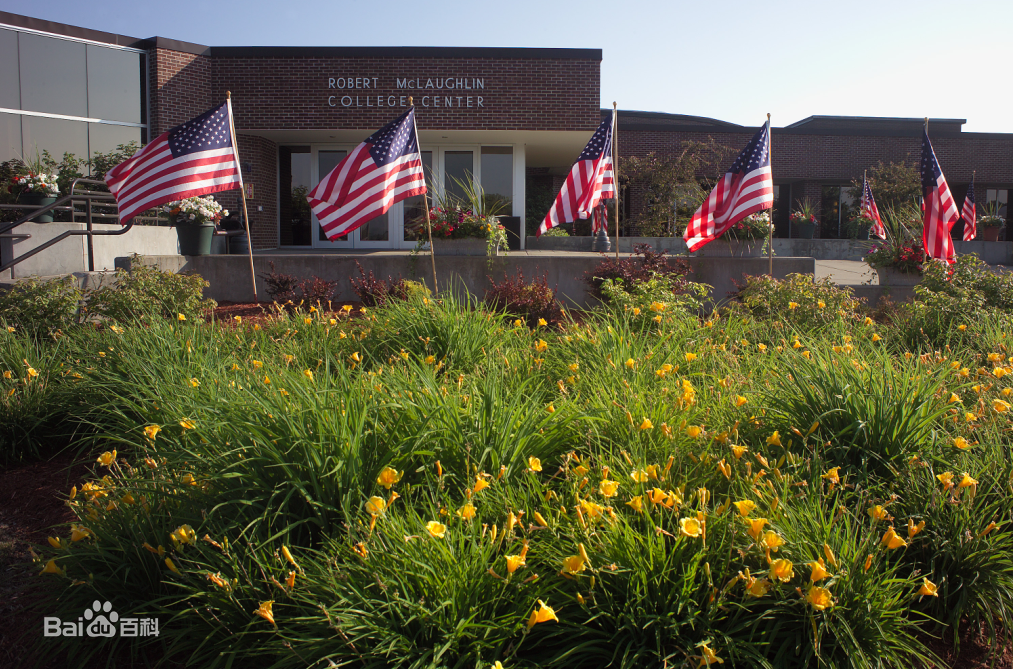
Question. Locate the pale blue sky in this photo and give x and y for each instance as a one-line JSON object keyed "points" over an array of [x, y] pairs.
{"points": [[733, 61]]}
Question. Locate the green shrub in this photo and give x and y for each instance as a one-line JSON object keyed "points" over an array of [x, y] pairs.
{"points": [[798, 299], [145, 292], [39, 306]]}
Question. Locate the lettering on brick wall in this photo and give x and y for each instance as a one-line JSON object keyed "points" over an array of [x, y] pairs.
{"points": [[439, 92]]}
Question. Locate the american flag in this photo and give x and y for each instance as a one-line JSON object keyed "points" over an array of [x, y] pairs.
{"points": [[384, 169], [744, 189], [192, 159], [968, 214], [938, 206], [600, 221], [590, 179], [871, 211]]}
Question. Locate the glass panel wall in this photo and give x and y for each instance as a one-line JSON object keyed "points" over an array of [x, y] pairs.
{"points": [[104, 138], [498, 177], [838, 206], [10, 137], [54, 75], [10, 81], [54, 135], [293, 184], [458, 166], [114, 84]]}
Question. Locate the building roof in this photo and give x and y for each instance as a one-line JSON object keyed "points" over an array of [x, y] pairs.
{"points": [[873, 124], [642, 120]]}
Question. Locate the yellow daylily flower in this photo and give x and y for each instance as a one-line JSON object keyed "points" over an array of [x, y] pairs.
{"points": [[107, 458], [51, 568], [819, 571], [534, 464], [928, 589], [151, 431], [690, 527], [541, 614], [740, 400], [756, 526], [265, 611], [782, 570], [707, 656], [774, 439], [819, 598], [772, 540], [388, 477], [514, 562], [745, 507], [913, 529], [375, 506], [608, 488], [636, 503], [892, 540], [435, 529]]}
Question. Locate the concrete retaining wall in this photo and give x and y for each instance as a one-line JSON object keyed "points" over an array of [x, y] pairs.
{"points": [[229, 276], [71, 254], [994, 253]]}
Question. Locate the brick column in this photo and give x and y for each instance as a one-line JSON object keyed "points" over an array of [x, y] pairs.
{"points": [[261, 155]]}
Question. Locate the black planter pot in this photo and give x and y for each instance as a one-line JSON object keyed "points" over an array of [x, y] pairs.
{"points": [[38, 200], [806, 230], [195, 240]]}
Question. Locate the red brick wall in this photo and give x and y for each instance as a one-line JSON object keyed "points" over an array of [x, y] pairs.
{"points": [[180, 88], [518, 94], [262, 154]]}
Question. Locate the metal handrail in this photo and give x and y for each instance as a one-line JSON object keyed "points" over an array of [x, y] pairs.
{"points": [[88, 199]]}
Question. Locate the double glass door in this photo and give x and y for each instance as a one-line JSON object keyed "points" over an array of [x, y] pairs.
{"points": [[405, 220]]}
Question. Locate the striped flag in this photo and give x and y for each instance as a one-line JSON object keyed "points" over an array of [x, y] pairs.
{"points": [[192, 159], [746, 188], [384, 169], [590, 180], [938, 206], [871, 211], [968, 214]]}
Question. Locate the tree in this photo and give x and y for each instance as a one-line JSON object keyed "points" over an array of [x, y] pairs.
{"points": [[668, 189], [893, 184]]}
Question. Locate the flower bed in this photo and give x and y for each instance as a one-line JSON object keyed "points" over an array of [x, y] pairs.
{"points": [[431, 478]]}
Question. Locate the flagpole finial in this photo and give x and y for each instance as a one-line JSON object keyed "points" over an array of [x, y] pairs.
{"points": [[768, 116], [410, 100], [926, 124], [228, 95]]}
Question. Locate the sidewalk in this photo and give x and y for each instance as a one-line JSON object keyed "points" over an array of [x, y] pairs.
{"points": [[846, 272]]}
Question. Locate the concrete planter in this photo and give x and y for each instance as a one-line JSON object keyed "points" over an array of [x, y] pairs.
{"points": [[461, 247], [888, 276], [732, 248]]}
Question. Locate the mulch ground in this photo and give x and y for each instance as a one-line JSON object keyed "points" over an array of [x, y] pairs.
{"points": [[259, 312]]}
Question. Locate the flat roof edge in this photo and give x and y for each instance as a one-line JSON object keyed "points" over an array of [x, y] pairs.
{"points": [[404, 52], [65, 30]]}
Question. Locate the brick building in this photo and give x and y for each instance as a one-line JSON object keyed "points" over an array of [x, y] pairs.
{"points": [[515, 119]]}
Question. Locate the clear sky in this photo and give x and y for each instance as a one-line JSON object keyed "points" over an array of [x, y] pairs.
{"points": [[734, 61]]}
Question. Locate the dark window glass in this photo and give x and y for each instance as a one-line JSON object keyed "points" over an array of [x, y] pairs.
{"points": [[294, 183], [104, 138], [782, 209], [830, 212], [114, 84], [10, 88], [498, 176], [53, 75], [56, 136], [458, 166], [10, 137], [414, 211]]}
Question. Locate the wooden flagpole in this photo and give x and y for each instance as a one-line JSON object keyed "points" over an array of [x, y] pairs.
{"points": [[425, 201], [770, 227], [615, 167], [242, 197]]}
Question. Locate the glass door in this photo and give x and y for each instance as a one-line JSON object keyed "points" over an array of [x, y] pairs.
{"points": [[372, 234]]}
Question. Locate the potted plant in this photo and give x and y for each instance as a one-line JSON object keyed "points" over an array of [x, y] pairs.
{"points": [[858, 227], [465, 224], [991, 224], [36, 188], [803, 219], [898, 263], [194, 219]]}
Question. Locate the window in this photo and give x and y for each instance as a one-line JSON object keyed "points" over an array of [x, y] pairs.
{"points": [[997, 197], [114, 84], [54, 135], [838, 203], [10, 81], [54, 76], [498, 176], [782, 209], [294, 183], [10, 136], [104, 138]]}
